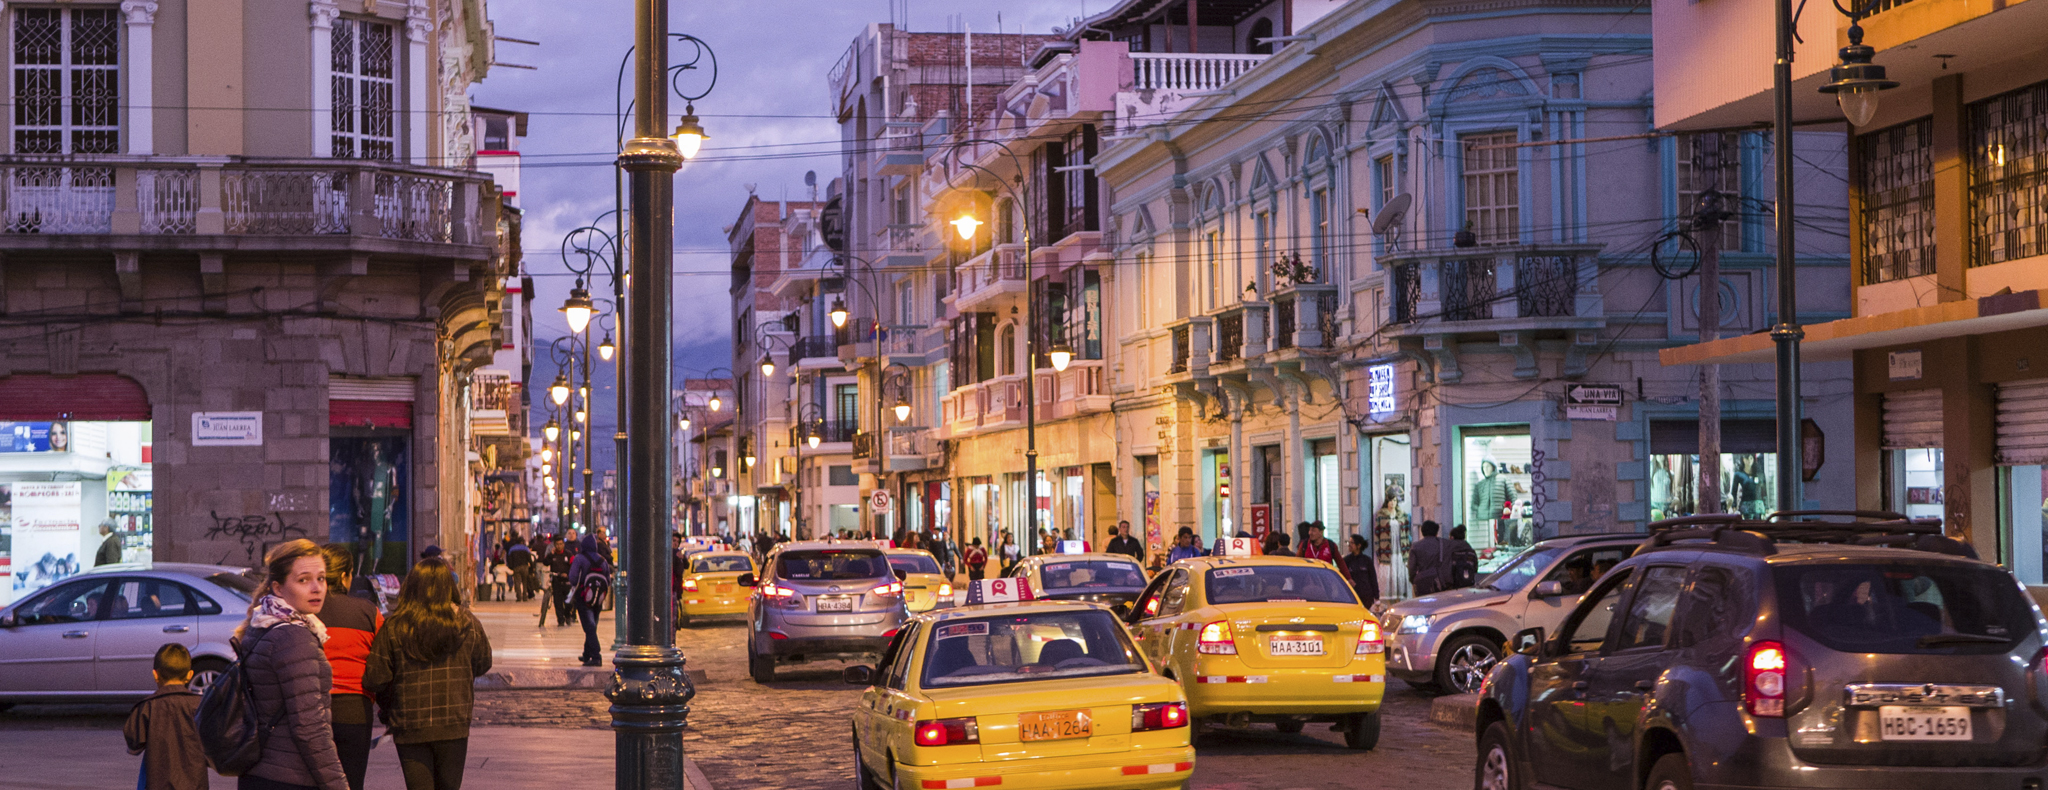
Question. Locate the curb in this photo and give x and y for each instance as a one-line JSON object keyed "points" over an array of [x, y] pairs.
{"points": [[693, 777], [565, 678], [1458, 711]]}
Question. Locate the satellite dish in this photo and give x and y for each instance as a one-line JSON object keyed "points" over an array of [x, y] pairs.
{"points": [[810, 178], [1391, 213]]}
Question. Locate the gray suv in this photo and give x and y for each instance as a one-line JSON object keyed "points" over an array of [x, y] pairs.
{"points": [[825, 600], [1450, 640], [1796, 652]]}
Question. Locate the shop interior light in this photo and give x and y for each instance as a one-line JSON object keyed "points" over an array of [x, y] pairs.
{"points": [[966, 225]]}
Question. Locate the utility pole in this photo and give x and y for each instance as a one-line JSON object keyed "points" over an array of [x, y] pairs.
{"points": [[1706, 221], [1786, 334]]}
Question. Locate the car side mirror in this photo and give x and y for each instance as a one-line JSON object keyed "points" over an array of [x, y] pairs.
{"points": [[1551, 589], [858, 675], [7, 620], [746, 580], [1528, 641], [902, 574]]}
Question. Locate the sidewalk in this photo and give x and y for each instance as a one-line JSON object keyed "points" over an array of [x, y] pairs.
{"points": [[508, 757], [527, 654]]}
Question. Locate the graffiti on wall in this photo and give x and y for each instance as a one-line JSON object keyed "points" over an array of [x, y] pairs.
{"points": [[255, 533]]}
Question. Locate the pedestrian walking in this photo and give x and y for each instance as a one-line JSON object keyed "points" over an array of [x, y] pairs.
{"points": [[1316, 547], [160, 727], [560, 557], [1464, 561], [1429, 561], [519, 559], [423, 666], [288, 675], [977, 560], [1184, 547], [1009, 552], [110, 549], [500, 576], [1363, 571], [1121, 542], [591, 575], [352, 625]]}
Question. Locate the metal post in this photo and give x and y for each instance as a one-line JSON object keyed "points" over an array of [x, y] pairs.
{"points": [[1707, 221], [1787, 334], [650, 692], [1030, 378], [587, 505]]}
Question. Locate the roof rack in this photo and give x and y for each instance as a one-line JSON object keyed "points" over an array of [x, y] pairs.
{"points": [[1732, 532]]}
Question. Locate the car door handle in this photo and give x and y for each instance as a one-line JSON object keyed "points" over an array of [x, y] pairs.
{"points": [[77, 634], [177, 629]]}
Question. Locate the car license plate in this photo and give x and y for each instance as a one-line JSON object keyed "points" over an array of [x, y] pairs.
{"points": [[835, 603], [1295, 646], [1055, 725], [725, 588], [1910, 723]]}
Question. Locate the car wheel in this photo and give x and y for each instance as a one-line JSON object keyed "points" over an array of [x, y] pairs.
{"points": [[1289, 726], [682, 621], [1364, 732], [1465, 663], [204, 671], [761, 667], [1496, 768], [863, 778], [1672, 772]]}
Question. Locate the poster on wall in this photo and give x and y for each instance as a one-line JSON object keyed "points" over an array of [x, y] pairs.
{"points": [[35, 437], [6, 543], [46, 534]]}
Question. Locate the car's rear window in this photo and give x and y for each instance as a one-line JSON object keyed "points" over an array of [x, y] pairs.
{"points": [[914, 563], [827, 564], [1091, 574], [239, 583], [1021, 647], [1262, 583], [1924, 608], [722, 564]]}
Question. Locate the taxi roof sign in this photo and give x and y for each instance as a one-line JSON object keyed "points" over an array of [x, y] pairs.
{"points": [[1237, 547], [1005, 590], [1073, 547]]}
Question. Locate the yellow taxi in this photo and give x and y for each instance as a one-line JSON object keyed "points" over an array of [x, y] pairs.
{"points": [[925, 586], [1006, 691], [1113, 580], [1267, 639], [711, 586]]}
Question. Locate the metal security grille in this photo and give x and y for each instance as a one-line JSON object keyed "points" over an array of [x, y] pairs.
{"points": [[67, 81], [1493, 193], [363, 89], [2009, 176], [1692, 181], [1897, 169], [2022, 423], [1912, 419]]}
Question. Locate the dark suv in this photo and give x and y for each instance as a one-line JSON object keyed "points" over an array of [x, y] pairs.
{"points": [[1810, 650]]}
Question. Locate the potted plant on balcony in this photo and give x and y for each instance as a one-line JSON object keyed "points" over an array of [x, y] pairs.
{"points": [[1289, 267]]}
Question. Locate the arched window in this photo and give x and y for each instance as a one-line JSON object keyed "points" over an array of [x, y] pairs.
{"points": [[1260, 29], [1006, 346]]}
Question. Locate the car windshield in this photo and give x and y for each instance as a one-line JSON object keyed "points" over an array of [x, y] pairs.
{"points": [[831, 564], [1262, 583], [1091, 574], [1920, 608], [720, 564], [1517, 573], [1024, 647], [236, 583], [914, 563]]}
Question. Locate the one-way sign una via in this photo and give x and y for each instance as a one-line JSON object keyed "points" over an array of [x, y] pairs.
{"points": [[1592, 402]]}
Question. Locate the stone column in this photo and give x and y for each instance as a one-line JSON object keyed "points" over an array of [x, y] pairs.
{"points": [[323, 14], [141, 59], [419, 25]]}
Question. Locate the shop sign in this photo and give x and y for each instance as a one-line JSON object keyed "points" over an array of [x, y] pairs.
{"points": [[1903, 365], [34, 437], [880, 502], [227, 428], [1261, 518], [1380, 393]]}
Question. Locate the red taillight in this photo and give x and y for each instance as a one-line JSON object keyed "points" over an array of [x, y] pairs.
{"points": [[947, 732], [1763, 679], [889, 634], [1159, 716], [892, 588], [690, 585], [1369, 641], [1216, 639], [781, 597]]}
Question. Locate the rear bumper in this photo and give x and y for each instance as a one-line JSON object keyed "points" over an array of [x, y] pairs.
{"points": [[711, 606], [1122, 770], [1772, 766], [827, 648], [1358, 688]]}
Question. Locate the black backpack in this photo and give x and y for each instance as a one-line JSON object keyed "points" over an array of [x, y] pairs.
{"points": [[592, 589], [231, 732]]}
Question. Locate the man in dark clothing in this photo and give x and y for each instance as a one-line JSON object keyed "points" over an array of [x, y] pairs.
{"points": [[560, 557], [352, 624], [110, 549], [1121, 542], [590, 562], [160, 728], [519, 559], [1429, 561], [1464, 561]]}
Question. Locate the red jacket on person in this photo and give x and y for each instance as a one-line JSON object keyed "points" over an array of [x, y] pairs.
{"points": [[352, 624]]}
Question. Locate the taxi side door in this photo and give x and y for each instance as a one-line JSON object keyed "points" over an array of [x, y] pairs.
{"points": [[1162, 628], [884, 704]]}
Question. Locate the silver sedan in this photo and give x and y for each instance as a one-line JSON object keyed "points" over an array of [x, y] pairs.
{"points": [[94, 636]]}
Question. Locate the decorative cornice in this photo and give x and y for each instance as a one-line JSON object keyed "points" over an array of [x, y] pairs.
{"points": [[419, 22], [323, 13], [139, 12]]}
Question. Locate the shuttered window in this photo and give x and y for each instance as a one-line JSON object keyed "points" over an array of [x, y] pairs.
{"points": [[357, 402], [93, 397], [1912, 419], [2023, 423]]}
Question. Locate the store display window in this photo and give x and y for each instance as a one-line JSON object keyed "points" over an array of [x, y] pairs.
{"points": [[1498, 497], [73, 495], [1916, 482], [2023, 506], [1388, 459], [1749, 484]]}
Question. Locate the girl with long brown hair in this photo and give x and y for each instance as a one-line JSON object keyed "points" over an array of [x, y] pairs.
{"points": [[280, 646], [423, 668]]}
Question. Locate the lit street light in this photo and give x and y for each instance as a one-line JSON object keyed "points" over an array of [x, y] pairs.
{"points": [[578, 308], [559, 391]]}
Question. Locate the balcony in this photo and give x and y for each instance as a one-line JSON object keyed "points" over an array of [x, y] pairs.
{"points": [[1191, 346], [989, 405], [1229, 335], [912, 449], [828, 432], [207, 204], [818, 347], [989, 277], [1305, 317], [863, 445], [1083, 388], [492, 401], [1161, 84], [1494, 289]]}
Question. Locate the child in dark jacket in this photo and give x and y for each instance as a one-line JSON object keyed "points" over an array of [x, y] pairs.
{"points": [[160, 727]]}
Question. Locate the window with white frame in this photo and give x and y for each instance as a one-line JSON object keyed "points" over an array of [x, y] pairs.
{"points": [[1319, 233], [1143, 281], [1389, 184], [906, 302], [1693, 170], [364, 87], [1212, 250], [1493, 193], [1262, 241], [67, 77]]}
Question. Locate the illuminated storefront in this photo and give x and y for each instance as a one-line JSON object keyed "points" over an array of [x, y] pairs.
{"points": [[59, 483]]}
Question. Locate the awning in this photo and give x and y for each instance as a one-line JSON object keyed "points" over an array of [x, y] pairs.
{"points": [[38, 397], [1836, 340]]}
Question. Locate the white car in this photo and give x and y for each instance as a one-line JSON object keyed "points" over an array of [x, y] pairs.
{"points": [[94, 636]]}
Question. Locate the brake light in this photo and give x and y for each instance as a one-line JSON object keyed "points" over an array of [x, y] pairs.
{"points": [[947, 732], [1151, 607], [945, 590], [782, 597], [1159, 716], [1216, 639], [1369, 641], [690, 585], [892, 588], [1763, 680]]}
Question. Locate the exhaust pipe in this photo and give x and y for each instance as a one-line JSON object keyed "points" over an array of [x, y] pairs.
{"points": [[1239, 720]]}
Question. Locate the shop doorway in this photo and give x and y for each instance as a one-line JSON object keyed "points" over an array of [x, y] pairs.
{"points": [[1388, 457], [1324, 491], [369, 495], [1216, 513], [1497, 495]]}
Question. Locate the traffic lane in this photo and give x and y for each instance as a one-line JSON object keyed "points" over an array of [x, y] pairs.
{"points": [[1423, 756], [795, 733]]}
